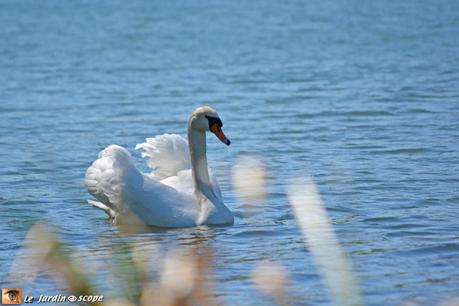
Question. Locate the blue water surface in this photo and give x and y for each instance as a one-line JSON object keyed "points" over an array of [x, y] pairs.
{"points": [[361, 95]]}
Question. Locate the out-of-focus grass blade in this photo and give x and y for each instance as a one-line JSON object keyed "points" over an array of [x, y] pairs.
{"points": [[321, 241], [272, 279], [249, 179]]}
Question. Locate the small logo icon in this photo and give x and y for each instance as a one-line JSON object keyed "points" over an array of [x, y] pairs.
{"points": [[11, 296]]}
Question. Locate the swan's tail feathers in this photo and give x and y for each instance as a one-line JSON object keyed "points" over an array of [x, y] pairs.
{"points": [[110, 212], [167, 155], [113, 180]]}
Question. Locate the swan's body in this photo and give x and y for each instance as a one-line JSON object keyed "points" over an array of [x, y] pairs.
{"points": [[178, 193]]}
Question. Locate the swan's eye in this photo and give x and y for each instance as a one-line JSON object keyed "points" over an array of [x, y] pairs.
{"points": [[12, 295], [213, 120]]}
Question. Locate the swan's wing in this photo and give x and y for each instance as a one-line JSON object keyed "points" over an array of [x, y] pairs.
{"points": [[163, 205], [113, 179], [123, 192], [167, 155], [183, 182]]}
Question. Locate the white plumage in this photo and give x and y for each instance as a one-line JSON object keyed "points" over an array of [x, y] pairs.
{"points": [[167, 155], [178, 192]]}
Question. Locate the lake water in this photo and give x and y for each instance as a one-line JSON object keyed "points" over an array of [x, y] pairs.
{"points": [[361, 95]]}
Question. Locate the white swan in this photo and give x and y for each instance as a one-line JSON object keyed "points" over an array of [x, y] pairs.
{"points": [[178, 193]]}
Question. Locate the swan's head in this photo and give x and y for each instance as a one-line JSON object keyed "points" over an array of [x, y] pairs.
{"points": [[204, 119]]}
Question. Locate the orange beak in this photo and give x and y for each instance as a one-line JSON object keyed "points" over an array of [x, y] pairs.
{"points": [[219, 133]]}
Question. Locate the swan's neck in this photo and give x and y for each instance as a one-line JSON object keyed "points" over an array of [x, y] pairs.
{"points": [[213, 211], [197, 146]]}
